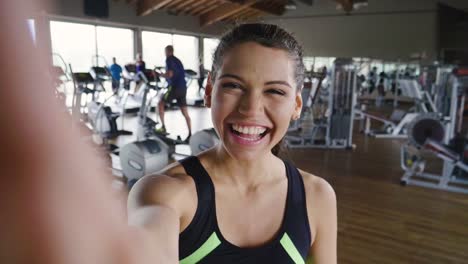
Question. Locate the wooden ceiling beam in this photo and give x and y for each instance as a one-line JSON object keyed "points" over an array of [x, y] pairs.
{"points": [[224, 11], [205, 4], [241, 16], [171, 5], [207, 8], [193, 7], [181, 6], [145, 7], [274, 7], [255, 15], [237, 15]]}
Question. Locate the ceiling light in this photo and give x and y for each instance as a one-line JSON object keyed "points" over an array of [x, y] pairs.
{"points": [[290, 5]]}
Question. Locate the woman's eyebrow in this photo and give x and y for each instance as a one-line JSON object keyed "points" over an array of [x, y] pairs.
{"points": [[229, 75], [279, 82]]}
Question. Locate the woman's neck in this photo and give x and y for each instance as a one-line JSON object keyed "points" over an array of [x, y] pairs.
{"points": [[245, 173]]}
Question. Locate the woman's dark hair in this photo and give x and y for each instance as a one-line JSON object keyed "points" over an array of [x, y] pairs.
{"points": [[268, 35]]}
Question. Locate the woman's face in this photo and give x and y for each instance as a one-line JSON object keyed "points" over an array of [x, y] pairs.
{"points": [[253, 99]]}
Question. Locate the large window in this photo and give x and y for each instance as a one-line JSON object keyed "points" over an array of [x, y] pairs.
{"points": [[209, 47], [115, 42], [317, 63], [185, 48], [79, 44], [76, 43], [153, 47], [321, 62], [309, 63]]}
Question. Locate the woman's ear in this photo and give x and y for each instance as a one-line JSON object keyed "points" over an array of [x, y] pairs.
{"points": [[298, 106], [208, 91]]}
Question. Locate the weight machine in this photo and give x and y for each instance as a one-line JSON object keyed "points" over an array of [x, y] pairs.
{"points": [[328, 122], [438, 134]]}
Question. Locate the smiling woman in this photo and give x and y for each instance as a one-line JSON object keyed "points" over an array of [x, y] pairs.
{"points": [[238, 202], [235, 203]]}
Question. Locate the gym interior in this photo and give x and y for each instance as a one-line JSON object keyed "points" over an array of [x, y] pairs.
{"points": [[383, 117]]}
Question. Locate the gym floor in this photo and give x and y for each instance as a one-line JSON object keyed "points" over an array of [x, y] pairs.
{"points": [[379, 221]]}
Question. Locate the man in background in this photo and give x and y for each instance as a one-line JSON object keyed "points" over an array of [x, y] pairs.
{"points": [[177, 89], [116, 72]]}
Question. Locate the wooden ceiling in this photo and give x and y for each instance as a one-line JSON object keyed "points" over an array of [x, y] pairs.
{"points": [[212, 11]]}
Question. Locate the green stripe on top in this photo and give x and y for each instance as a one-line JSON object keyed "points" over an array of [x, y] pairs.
{"points": [[211, 244], [291, 249]]}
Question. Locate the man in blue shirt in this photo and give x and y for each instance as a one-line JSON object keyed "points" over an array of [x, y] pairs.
{"points": [[140, 66], [116, 72], [177, 88]]}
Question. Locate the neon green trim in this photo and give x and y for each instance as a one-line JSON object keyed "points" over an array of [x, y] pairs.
{"points": [[291, 249], [168, 92], [211, 244]]}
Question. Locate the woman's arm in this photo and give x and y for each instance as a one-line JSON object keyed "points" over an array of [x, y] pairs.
{"points": [[324, 246], [157, 228], [321, 206], [155, 206], [56, 200]]}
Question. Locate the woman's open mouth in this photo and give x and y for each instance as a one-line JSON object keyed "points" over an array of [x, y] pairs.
{"points": [[248, 134]]}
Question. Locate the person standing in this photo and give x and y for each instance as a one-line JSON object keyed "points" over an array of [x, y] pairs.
{"points": [[116, 73], [177, 89], [140, 66], [201, 74]]}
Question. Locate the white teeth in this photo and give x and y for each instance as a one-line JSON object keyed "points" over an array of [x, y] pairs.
{"points": [[250, 130]]}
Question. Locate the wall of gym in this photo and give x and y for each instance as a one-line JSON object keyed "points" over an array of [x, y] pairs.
{"points": [[389, 37]]}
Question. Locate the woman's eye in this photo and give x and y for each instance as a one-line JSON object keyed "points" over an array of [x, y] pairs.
{"points": [[231, 85], [276, 91]]}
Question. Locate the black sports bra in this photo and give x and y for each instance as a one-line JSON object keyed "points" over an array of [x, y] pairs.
{"points": [[202, 241]]}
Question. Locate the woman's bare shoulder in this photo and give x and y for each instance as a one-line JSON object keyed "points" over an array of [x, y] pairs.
{"points": [[320, 201], [170, 187], [317, 187]]}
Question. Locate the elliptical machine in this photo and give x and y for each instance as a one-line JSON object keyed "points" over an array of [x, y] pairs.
{"points": [[100, 116], [152, 150], [203, 140]]}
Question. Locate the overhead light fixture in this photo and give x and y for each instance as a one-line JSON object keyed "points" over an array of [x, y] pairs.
{"points": [[290, 5], [357, 4]]}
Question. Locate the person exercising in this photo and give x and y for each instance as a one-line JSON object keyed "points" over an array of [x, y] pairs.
{"points": [[201, 75], [116, 73], [238, 202], [140, 63], [177, 89], [140, 66]]}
